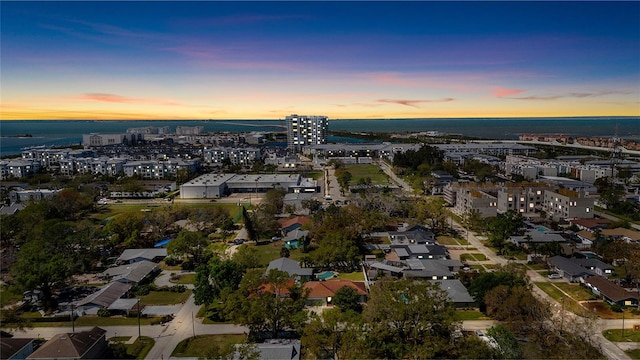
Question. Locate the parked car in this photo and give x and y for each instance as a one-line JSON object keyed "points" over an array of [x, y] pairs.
{"points": [[554, 276]]}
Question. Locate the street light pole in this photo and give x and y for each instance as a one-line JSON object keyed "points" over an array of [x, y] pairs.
{"points": [[193, 325], [623, 324], [139, 317]]}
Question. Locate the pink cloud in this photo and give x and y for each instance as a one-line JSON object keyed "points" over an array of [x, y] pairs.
{"points": [[113, 98], [503, 92], [575, 95], [414, 103]]}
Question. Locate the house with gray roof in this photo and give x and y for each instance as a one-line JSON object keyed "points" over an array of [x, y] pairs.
{"points": [[569, 269], [132, 273], [599, 267], [103, 298], [134, 255], [537, 237], [458, 294], [291, 267]]}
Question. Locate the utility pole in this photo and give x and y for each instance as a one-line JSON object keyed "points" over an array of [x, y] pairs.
{"points": [[193, 325], [623, 324], [139, 317]]}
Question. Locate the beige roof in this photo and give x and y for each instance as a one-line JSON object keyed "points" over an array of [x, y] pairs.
{"points": [[68, 346], [633, 235]]}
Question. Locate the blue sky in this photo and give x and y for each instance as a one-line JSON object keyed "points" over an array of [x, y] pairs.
{"points": [[200, 60]]}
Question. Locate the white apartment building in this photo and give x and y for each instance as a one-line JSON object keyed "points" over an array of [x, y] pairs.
{"points": [[237, 156], [102, 165], [568, 204], [305, 130], [18, 168]]}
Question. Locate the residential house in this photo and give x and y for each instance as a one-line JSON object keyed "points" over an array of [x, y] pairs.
{"points": [[130, 256], [611, 292], [89, 344], [322, 292], [599, 267], [293, 238], [15, 348], [276, 349], [627, 235], [569, 269], [291, 267], [103, 298], [135, 273], [535, 238], [591, 225], [293, 223], [458, 294], [415, 235]]}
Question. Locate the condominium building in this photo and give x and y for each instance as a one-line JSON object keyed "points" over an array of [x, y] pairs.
{"points": [[568, 204], [305, 130]]}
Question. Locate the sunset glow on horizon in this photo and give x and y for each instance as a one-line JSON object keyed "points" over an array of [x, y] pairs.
{"points": [[345, 60]]}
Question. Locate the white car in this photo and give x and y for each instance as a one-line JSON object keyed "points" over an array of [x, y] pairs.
{"points": [[554, 276]]}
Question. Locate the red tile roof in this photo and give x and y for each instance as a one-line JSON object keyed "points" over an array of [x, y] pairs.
{"points": [[323, 289], [285, 223]]}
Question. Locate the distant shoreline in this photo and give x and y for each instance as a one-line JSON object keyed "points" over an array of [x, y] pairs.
{"points": [[585, 117]]}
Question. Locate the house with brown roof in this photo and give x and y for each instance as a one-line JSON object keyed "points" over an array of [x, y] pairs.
{"points": [[293, 223], [322, 292], [611, 292], [627, 235], [80, 345], [591, 224]]}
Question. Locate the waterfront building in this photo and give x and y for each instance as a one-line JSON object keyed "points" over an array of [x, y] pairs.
{"points": [[96, 140], [189, 130], [303, 130]]}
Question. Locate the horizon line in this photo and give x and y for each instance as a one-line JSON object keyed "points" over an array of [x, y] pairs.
{"points": [[348, 119]]}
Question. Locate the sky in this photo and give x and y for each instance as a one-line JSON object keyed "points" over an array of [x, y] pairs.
{"points": [[266, 60]]}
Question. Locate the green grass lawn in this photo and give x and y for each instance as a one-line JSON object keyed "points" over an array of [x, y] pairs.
{"points": [[271, 251], [141, 347], [201, 345], [615, 335], [472, 257], [463, 315], [8, 296], [164, 298], [119, 338], [95, 321], [555, 292], [362, 171], [185, 279], [354, 276], [576, 291], [447, 240], [315, 175], [634, 354]]}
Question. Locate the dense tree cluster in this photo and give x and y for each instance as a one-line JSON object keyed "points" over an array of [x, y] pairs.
{"points": [[421, 161]]}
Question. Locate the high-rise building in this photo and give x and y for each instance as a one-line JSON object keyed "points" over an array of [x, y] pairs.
{"points": [[306, 130]]}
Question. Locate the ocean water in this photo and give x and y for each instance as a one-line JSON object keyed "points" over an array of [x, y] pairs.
{"points": [[63, 133]]}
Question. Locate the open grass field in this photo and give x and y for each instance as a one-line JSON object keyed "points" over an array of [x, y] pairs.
{"points": [[271, 251], [363, 171], [202, 345], [576, 291], [109, 211], [615, 335], [164, 298], [556, 293]]}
